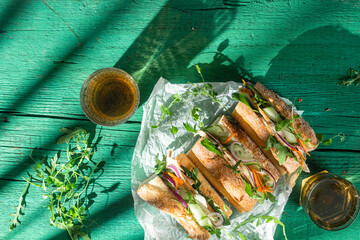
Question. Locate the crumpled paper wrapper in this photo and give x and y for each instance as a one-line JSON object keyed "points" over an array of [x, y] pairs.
{"points": [[157, 224]]}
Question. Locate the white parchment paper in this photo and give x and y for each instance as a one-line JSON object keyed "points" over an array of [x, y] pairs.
{"points": [[159, 225]]}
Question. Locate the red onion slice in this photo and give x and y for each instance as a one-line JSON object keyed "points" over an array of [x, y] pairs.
{"points": [[285, 142], [219, 219], [212, 137], [169, 179], [263, 169], [180, 198], [175, 169], [234, 154]]}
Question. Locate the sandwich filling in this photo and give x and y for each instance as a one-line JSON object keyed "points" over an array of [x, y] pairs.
{"points": [[283, 137], [260, 184], [196, 204]]}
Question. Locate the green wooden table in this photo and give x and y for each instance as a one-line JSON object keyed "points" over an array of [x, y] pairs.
{"points": [[298, 48]]}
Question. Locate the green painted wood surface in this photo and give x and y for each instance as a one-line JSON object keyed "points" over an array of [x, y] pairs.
{"points": [[48, 48]]}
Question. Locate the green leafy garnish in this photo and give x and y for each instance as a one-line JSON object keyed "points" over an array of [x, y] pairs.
{"points": [[193, 174], [20, 206], [328, 141], [261, 197], [234, 168], [248, 188], [281, 151], [189, 128], [353, 77], [65, 184], [195, 115], [206, 143], [160, 164], [241, 98], [267, 219]]}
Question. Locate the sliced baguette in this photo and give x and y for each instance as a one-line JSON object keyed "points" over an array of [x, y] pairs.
{"points": [[205, 188], [156, 193], [300, 125], [256, 129], [241, 137], [215, 169]]}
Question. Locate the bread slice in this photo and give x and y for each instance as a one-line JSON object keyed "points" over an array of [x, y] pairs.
{"points": [[156, 193], [229, 184], [300, 125], [241, 137], [256, 129], [205, 188]]}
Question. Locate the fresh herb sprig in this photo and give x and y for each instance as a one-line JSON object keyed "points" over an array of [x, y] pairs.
{"points": [[353, 77], [205, 90], [281, 151], [267, 219], [65, 183], [160, 164], [210, 146], [21, 205], [328, 141]]}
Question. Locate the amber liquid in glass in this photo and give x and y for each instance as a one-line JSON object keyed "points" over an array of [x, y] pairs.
{"points": [[114, 97], [331, 202], [109, 96]]}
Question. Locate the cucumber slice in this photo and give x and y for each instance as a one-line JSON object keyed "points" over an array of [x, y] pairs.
{"points": [[218, 132], [241, 153], [200, 216], [272, 114], [289, 136]]}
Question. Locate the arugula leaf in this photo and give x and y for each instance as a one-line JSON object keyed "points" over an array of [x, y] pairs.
{"points": [[193, 175], [248, 188], [173, 130], [294, 118], [20, 206], [281, 151], [160, 164], [241, 98], [64, 184], [206, 143], [353, 77], [69, 134], [189, 128], [234, 168]]}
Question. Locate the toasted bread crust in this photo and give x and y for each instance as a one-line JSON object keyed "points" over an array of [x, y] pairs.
{"points": [[158, 195], [233, 184], [256, 129], [300, 125], [245, 140], [205, 187]]}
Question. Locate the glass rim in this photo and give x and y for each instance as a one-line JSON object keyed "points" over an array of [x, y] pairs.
{"points": [[92, 78]]}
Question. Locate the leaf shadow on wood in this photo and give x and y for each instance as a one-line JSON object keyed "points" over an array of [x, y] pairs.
{"points": [[50, 70], [179, 32]]}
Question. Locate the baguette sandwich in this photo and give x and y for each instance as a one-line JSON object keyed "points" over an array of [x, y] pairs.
{"points": [[234, 165], [283, 135], [199, 209]]}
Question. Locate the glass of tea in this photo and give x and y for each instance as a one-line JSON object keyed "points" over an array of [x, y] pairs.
{"points": [[332, 202], [109, 97]]}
